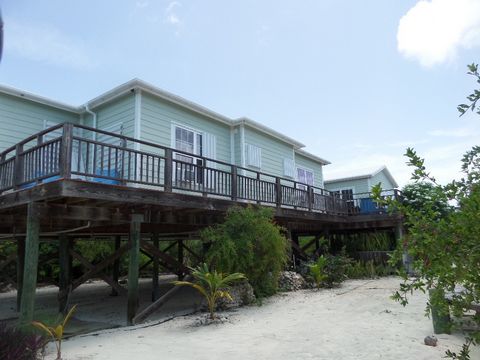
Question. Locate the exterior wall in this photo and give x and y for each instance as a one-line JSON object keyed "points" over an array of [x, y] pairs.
{"points": [[302, 161], [121, 110], [381, 178], [20, 118], [273, 151], [237, 147], [157, 117], [358, 186]]}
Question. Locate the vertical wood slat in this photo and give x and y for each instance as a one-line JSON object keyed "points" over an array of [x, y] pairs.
{"points": [[133, 267], [168, 170], [66, 153], [18, 166]]}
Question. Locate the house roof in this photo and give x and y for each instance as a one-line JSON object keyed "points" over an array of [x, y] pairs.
{"points": [[365, 175], [138, 84], [312, 157], [37, 98]]}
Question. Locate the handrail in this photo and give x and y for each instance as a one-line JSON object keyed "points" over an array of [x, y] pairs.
{"points": [[72, 154]]}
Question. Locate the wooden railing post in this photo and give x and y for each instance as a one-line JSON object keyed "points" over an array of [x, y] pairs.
{"points": [[66, 151], [168, 170], [18, 166], [234, 183], [310, 197], [278, 187]]}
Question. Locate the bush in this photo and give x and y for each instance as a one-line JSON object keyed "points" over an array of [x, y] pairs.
{"points": [[18, 345], [248, 242]]}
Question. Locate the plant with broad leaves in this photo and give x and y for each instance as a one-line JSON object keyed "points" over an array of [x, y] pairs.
{"points": [[317, 271], [56, 331], [212, 285]]}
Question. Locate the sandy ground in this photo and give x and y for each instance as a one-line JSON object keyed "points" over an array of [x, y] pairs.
{"points": [[356, 321]]}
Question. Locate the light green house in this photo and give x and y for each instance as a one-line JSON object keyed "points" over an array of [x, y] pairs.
{"points": [[139, 110]]}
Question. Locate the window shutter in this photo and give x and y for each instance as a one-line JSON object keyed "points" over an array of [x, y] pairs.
{"points": [[254, 156], [289, 167]]}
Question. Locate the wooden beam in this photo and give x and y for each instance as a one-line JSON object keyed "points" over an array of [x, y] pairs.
{"points": [[180, 254], [158, 303], [27, 304], [97, 269], [170, 260], [116, 266], [65, 262], [133, 267], [20, 268], [155, 287]]}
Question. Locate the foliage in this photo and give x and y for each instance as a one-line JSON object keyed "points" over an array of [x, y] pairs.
{"points": [[56, 331], [249, 242], [317, 271], [445, 247], [474, 97], [369, 270], [211, 284], [334, 269], [19, 345], [424, 196]]}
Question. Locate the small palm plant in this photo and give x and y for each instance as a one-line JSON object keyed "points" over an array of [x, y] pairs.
{"points": [[212, 285], [56, 332], [317, 271]]}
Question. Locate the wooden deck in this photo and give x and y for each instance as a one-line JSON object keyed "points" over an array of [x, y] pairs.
{"points": [[72, 182]]}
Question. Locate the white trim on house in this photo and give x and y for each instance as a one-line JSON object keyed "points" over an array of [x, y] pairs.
{"points": [[266, 130], [312, 157], [242, 145], [232, 145], [138, 118], [39, 99]]}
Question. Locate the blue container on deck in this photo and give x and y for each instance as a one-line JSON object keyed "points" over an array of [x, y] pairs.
{"points": [[368, 206], [108, 173]]}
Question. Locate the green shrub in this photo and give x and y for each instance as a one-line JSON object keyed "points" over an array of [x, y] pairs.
{"points": [[248, 242], [317, 271]]}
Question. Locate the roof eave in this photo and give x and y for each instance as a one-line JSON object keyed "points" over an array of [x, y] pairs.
{"points": [[39, 99]]}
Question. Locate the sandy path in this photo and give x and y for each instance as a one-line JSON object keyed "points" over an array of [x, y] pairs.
{"points": [[356, 321]]}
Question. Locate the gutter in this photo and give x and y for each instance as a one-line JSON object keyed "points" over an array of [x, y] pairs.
{"points": [[94, 117]]}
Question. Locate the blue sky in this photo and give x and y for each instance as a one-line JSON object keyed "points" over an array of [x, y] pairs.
{"points": [[356, 81]]}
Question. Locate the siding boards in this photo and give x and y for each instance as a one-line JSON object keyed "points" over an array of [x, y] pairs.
{"points": [[381, 178], [121, 110], [20, 118], [301, 161], [358, 186], [157, 116], [273, 151]]}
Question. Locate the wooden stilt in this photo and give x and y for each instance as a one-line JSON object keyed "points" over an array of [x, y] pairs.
{"points": [[180, 255], [27, 303], [155, 269], [116, 266], [133, 267], [65, 262], [20, 268]]}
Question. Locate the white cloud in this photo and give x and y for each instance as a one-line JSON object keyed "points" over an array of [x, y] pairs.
{"points": [[44, 43], [142, 4], [433, 31], [171, 16]]}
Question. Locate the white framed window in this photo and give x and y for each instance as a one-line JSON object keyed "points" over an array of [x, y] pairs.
{"points": [[254, 155], [289, 167], [304, 176]]}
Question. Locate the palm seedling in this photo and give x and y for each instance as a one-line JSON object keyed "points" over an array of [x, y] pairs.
{"points": [[56, 331], [211, 284]]}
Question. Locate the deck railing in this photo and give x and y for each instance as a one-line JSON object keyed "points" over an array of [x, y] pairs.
{"points": [[69, 151]]}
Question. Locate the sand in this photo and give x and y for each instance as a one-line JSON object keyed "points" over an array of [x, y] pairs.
{"points": [[355, 321]]}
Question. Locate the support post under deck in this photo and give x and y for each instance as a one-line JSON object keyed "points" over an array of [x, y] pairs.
{"points": [[155, 266], [27, 303], [133, 266], [116, 266], [65, 262], [20, 267]]}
